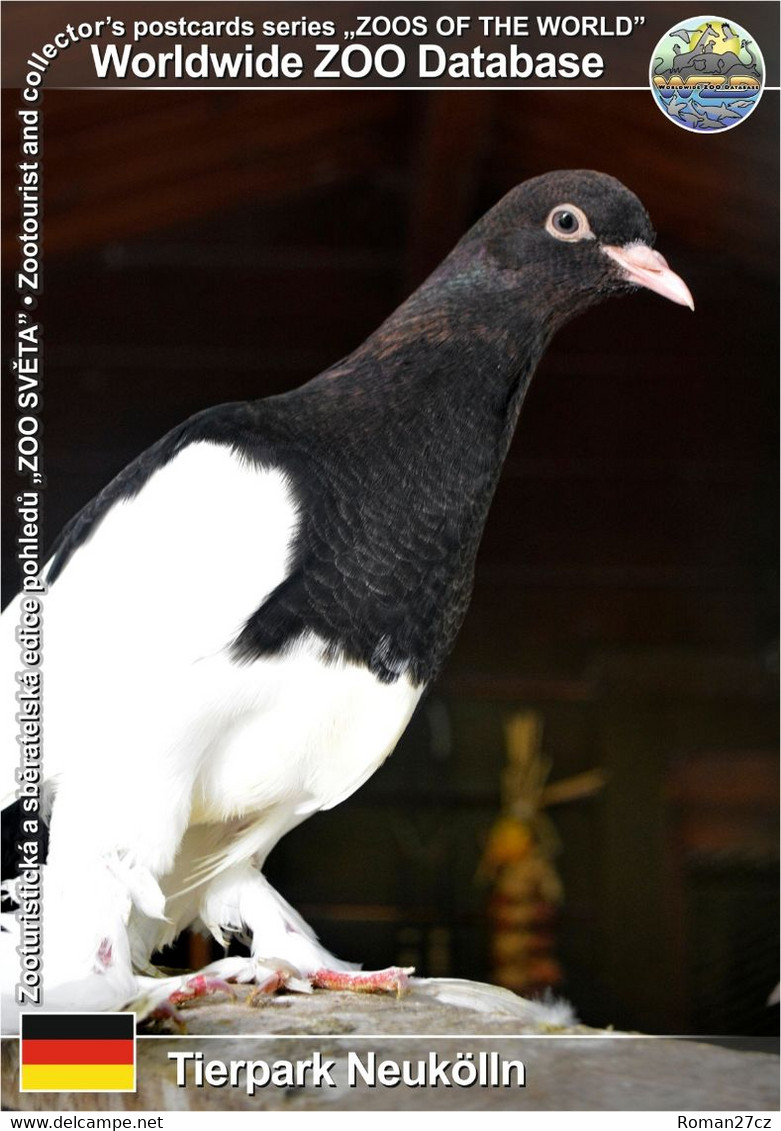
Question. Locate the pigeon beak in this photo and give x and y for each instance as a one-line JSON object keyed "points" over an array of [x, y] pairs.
{"points": [[644, 267]]}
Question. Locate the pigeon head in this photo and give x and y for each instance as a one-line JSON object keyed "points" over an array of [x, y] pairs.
{"points": [[571, 238]]}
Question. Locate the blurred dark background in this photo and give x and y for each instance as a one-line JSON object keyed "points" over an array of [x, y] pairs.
{"points": [[204, 247]]}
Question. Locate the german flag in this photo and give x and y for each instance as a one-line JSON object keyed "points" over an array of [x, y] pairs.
{"points": [[78, 1052]]}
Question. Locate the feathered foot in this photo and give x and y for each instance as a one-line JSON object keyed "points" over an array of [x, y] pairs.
{"points": [[160, 1002], [272, 974], [200, 985], [161, 997]]}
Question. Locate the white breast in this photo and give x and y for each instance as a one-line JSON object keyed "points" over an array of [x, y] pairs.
{"points": [[304, 733], [149, 724], [167, 579], [176, 570]]}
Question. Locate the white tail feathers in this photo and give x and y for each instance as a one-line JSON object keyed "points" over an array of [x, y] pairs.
{"points": [[547, 1012]]}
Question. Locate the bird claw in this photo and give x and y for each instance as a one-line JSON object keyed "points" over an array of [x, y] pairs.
{"points": [[199, 985], [277, 980], [164, 1012], [271, 978], [161, 1000], [394, 980]]}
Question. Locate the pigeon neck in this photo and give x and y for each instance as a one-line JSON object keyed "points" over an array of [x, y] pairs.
{"points": [[460, 354], [415, 425]]}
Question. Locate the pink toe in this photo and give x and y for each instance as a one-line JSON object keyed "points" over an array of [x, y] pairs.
{"points": [[200, 985], [394, 980]]}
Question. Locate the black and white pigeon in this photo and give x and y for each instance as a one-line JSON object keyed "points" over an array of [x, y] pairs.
{"points": [[240, 625]]}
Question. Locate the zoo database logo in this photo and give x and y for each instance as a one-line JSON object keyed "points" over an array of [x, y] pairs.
{"points": [[707, 74]]}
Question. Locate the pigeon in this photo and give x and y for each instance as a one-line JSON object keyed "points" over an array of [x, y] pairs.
{"points": [[240, 625]]}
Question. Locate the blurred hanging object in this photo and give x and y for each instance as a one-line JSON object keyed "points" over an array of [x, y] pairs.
{"points": [[519, 860]]}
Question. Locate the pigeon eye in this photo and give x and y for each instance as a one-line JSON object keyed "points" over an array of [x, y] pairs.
{"points": [[568, 222]]}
